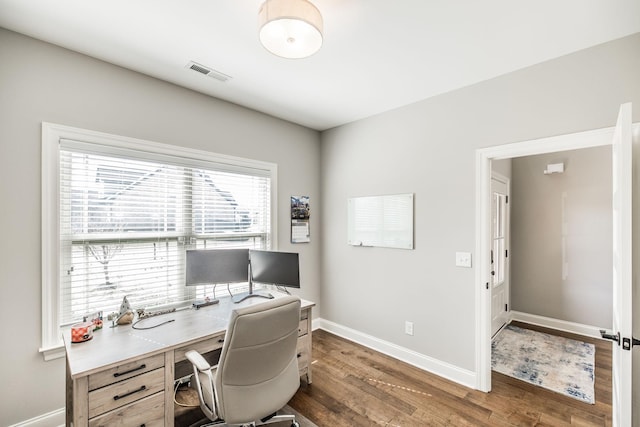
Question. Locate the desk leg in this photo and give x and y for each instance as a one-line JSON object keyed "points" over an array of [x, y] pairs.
{"points": [[81, 402], [76, 400], [68, 395], [310, 350], [169, 373]]}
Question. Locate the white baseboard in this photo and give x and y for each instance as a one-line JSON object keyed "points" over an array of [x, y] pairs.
{"points": [[561, 325], [52, 419], [461, 376]]}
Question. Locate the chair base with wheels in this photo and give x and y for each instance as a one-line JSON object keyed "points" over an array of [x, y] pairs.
{"points": [[273, 420]]}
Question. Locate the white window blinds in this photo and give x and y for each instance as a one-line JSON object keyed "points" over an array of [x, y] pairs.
{"points": [[126, 218]]}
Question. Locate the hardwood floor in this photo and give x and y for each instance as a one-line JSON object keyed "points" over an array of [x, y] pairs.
{"points": [[356, 386]]}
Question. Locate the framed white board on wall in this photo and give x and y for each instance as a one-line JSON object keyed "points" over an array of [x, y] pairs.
{"points": [[383, 221]]}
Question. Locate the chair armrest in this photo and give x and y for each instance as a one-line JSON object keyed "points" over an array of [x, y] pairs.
{"points": [[197, 360]]}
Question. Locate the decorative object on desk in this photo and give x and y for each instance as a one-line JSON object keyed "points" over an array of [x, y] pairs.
{"points": [[300, 214], [111, 317], [124, 316], [558, 364], [124, 306], [81, 332], [96, 319]]}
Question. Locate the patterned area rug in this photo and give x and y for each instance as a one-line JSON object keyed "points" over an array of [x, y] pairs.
{"points": [[559, 364]]}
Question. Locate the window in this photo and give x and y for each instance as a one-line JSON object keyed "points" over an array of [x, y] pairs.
{"points": [[118, 215]]}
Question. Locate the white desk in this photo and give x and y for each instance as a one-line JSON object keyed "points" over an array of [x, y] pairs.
{"points": [[126, 375]]}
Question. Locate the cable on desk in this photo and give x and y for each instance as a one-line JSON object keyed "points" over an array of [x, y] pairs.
{"points": [[150, 327]]}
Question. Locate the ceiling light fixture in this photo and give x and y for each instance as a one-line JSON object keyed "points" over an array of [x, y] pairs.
{"points": [[290, 28]]}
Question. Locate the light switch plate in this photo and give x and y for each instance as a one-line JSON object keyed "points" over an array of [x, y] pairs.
{"points": [[463, 259]]}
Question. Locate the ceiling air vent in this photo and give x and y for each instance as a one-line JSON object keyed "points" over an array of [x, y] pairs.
{"points": [[208, 71]]}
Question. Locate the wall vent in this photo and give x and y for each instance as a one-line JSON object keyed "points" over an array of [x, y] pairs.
{"points": [[210, 72]]}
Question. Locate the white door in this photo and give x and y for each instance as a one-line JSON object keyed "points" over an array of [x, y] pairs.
{"points": [[498, 259], [622, 294]]}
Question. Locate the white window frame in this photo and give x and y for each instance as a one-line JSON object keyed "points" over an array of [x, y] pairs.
{"points": [[52, 345]]}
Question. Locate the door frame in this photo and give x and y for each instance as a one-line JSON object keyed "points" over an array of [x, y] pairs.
{"points": [[484, 156]]}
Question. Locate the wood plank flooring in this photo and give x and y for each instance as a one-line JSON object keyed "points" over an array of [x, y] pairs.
{"points": [[356, 386]]}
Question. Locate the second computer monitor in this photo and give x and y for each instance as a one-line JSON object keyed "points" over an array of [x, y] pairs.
{"points": [[275, 268]]}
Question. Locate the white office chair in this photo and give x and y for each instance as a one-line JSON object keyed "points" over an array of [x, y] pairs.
{"points": [[258, 369]]}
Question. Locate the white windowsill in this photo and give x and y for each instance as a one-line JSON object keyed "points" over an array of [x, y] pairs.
{"points": [[52, 353]]}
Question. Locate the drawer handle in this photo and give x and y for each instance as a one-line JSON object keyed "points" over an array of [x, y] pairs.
{"points": [[120, 396], [119, 374]]}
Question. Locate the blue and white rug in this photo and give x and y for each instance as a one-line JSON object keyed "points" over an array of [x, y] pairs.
{"points": [[559, 364]]}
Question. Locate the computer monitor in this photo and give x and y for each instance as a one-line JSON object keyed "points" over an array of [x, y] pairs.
{"points": [[275, 268], [213, 266]]}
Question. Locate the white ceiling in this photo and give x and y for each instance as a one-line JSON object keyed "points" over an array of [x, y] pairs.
{"points": [[377, 55]]}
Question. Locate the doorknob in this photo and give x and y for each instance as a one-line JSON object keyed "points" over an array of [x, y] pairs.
{"points": [[607, 336], [628, 343]]}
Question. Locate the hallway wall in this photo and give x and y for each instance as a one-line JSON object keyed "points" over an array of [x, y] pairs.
{"points": [[561, 237]]}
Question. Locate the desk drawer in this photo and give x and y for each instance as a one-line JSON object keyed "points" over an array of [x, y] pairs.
{"points": [[125, 371], [121, 393], [303, 327], [201, 347], [303, 352], [148, 412]]}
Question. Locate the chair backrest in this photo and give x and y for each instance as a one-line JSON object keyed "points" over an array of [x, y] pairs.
{"points": [[258, 368]]}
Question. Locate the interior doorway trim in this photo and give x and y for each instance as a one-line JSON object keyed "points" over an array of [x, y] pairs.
{"points": [[484, 156]]}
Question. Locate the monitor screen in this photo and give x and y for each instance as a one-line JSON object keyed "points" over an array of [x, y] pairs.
{"points": [[212, 266], [275, 268]]}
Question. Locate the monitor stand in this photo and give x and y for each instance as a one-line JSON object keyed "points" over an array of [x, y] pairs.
{"points": [[245, 295]]}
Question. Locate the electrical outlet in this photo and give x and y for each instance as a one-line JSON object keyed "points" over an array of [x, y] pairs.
{"points": [[463, 259], [408, 328]]}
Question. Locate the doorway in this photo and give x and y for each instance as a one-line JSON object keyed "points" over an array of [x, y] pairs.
{"points": [[483, 188], [560, 250], [620, 138]]}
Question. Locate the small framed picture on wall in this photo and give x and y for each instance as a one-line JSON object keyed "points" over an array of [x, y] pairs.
{"points": [[300, 214]]}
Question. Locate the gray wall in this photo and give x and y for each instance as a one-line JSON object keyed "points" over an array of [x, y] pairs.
{"points": [[574, 206], [428, 148], [40, 82], [503, 167]]}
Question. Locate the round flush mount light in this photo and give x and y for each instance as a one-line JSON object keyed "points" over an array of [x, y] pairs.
{"points": [[290, 28]]}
